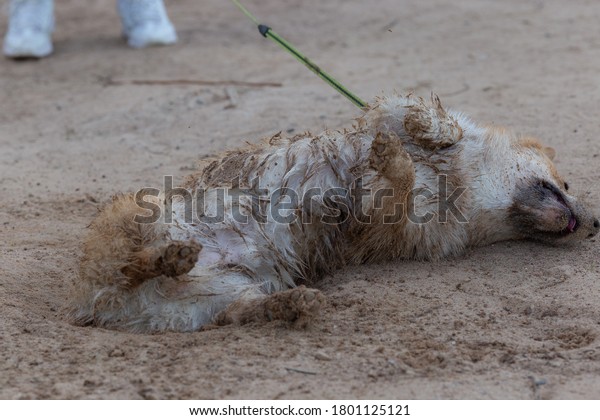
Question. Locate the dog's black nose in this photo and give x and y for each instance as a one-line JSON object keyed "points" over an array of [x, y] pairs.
{"points": [[596, 223]]}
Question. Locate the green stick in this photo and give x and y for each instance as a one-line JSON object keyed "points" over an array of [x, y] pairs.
{"points": [[269, 33]]}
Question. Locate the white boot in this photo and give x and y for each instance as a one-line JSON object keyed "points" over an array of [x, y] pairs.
{"points": [[145, 22], [30, 26]]}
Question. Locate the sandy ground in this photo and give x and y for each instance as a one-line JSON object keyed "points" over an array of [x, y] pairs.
{"points": [[513, 320]]}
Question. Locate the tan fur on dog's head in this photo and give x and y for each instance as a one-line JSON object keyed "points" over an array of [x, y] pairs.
{"points": [[514, 182], [542, 208]]}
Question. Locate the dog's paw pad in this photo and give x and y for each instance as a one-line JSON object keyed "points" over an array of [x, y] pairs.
{"points": [[298, 306], [179, 258]]}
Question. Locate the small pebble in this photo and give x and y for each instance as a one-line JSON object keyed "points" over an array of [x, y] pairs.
{"points": [[116, 352], [322, 356]]}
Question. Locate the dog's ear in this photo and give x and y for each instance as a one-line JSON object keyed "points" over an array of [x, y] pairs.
{"points": [[550, 152], [534, 143]]}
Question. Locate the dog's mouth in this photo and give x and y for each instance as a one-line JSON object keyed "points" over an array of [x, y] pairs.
{"points": [[572, 224], [542, 211]]}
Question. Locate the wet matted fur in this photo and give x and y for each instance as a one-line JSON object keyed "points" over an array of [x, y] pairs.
{"points": [[409, 180]]}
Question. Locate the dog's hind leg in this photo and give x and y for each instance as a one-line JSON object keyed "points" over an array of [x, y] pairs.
{"points": [[298, 306], [171, 260], [120, 251]]}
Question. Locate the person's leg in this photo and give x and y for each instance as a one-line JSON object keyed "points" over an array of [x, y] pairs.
{"points": [[145, 23], [30, 26]]}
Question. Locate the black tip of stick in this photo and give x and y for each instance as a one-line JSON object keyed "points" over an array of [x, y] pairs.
{"points": [[263, 29]]}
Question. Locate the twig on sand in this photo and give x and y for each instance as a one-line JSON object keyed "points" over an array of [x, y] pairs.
{"points": [[232, 95], [306, 372], [107, 81], [464, 88]]}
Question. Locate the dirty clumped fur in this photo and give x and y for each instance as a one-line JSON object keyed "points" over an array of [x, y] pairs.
{"points": [[409, 180]]}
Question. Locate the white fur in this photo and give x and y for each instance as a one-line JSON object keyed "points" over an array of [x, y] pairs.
{"points": [[243, 261]]}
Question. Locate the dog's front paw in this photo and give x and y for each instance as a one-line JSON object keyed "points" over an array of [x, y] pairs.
{"points": [[389, 158], [430, 126]]}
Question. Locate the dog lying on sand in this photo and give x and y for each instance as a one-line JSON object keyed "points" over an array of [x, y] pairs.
{"points": [[410, 180]]}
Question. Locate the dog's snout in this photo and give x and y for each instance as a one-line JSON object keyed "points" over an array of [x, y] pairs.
{"points": [[595, 228]]}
